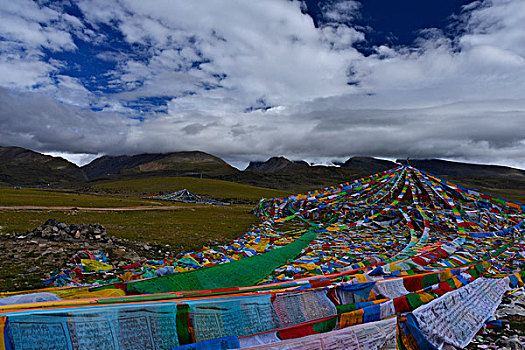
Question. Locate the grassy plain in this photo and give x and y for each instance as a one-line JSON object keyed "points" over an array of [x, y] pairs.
{"points": [[218, 189], [516, 194], [185, 229], [39, 197], [185, 226]]}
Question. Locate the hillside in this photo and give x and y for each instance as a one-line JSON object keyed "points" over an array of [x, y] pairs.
{"points": [[300, 180], [282, 165], [277, 165], [299, 176], [368, 164], [192, 163], [23, 167], [276, 173], [475, 175]]}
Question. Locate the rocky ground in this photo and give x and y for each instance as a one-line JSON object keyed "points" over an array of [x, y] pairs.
{"points": [[29, 259], [512, 335]]}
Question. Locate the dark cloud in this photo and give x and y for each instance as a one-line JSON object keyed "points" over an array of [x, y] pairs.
{"points": [[40, 122], [462, 133], [193, 129]]}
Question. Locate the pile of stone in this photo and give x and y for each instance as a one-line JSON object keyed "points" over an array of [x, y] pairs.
{"points": [[59, 231], [28, 258]]}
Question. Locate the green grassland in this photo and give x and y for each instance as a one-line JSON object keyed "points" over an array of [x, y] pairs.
{"points": [[514, 192], [217, 189], [38, 197], [187, 227], [510, 194], [184, 229]]}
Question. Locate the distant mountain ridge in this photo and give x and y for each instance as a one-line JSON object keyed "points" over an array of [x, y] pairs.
{"points": [[110, 165], [369, 164], [277, 165], [19, 166], [23, 167], [176, 163], [281, 165], [440, 167], [496, 176]]}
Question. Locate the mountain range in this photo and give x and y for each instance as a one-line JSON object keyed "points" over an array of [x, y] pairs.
{"points": [[174, 164], [22, 167]]}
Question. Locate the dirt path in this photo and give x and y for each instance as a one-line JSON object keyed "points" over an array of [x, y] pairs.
{"points": [[165, 207]]}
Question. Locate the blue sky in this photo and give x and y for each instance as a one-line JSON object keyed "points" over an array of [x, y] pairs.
{"points": [[314, 80]]}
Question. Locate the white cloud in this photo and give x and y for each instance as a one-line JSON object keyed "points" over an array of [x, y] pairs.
{"points": [[459, 98], [340, 10], [21, 70], [272, 51], [25, 21], [27, 29], [79, 159], [259, 50]]}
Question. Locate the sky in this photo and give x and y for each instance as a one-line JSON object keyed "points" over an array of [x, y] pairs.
{"points": [[246, 80]]}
